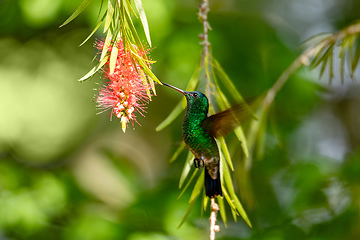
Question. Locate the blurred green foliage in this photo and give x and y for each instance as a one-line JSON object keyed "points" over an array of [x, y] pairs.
{"points": [[67, 173]]}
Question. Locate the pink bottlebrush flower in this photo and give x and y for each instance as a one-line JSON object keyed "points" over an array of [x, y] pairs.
{"points": [[127, 90]]}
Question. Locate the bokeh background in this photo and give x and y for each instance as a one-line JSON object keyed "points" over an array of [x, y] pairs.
{"points": [[67, 173]]}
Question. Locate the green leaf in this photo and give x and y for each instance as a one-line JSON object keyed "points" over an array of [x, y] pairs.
{"points": [[130, 26], [109, 15], [227, 177], [206, 68], [314, 40], [205, 202], [323, 65], [226, 81], [331, 66], [234, 214], [82, 6], [128, 6], [356, 55], [152, 85], [241, 210], [239, 132], [145, 68], [220, 201], [186, 169], [198, 187], [342, 67], [95, 69], [92, 33], [113, 58], [228, 199], [187, 212], [193, 80], [260, 142], [231, 197], [107, 43], [172, 116], [321, 56], [143, 19], [226, 152], [177, 152], [188, 183]]}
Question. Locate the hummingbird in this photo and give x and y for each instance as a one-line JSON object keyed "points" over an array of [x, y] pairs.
{"points": [[199, 131]]}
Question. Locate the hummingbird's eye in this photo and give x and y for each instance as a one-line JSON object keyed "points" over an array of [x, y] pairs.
{"points": [[195, 94]]}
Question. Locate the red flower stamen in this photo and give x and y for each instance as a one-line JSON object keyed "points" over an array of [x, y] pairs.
{"points": [[127, 90]]}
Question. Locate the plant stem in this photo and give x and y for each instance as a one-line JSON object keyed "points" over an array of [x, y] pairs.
{"points": [[213, 227], [305, 58], [203, 11], [203, 18]]}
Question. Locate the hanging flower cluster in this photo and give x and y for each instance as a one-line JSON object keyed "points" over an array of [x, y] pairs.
{"points": [[127, 90]]}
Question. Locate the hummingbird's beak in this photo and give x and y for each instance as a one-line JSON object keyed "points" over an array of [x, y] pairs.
{"points": [[177, 89]]}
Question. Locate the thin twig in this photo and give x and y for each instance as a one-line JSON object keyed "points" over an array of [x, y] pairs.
{"points": [[205, 57], [213, 227], [203, 12], [305, 58]]}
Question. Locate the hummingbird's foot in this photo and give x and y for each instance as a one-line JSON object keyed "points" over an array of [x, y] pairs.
{"points": [[198, 163]]}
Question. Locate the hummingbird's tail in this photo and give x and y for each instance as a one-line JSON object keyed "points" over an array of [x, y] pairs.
{"points": [[212, 186]]}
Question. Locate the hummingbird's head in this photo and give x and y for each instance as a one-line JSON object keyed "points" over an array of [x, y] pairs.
{"points": [[194, 98]]}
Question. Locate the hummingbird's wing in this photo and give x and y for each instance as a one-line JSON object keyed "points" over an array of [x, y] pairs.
{"points": [[223, 123]]}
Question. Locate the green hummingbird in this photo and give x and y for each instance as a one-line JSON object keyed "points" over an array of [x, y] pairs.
{"points": [[200, 130]]}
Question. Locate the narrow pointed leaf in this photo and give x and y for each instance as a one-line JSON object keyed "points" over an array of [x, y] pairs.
{"points": [[109, 15], [205, 202], [177, 152], [233, 213], [187, 213], [145, 82], [189, 182], [145, 68], [226, 153], [227, 81], [321, 56], [239, 132], [227, 178], [198, 187], [140, 9], [228, 199], [260, 142], [107, 42], [222, 162], [193, 80], [241, 210], [152, 84], [331, 67], [186, 169], [128, 6], [113, 58], [220, 201], [130, 26], [323, 66], [94, 69], [82, 6], [92, 33], [172, 116], [231, 196], [356, 55], [342, 68], [316, 39]]}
